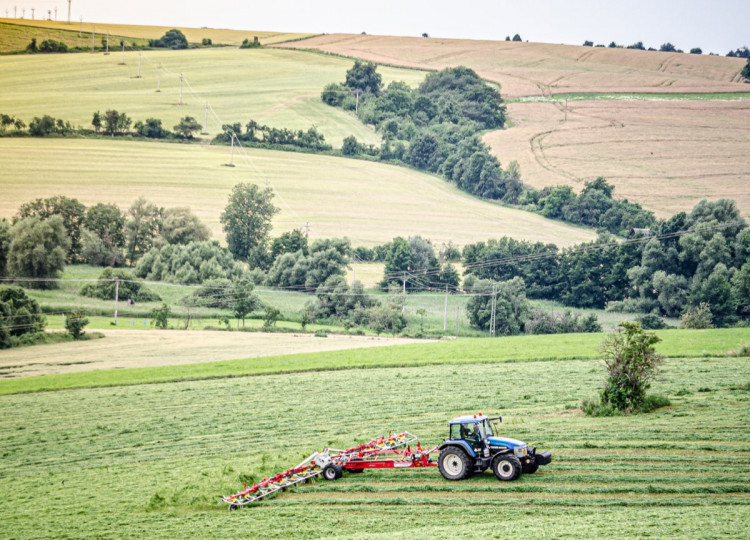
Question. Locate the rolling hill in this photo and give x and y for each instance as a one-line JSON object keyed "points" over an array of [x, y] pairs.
{"points": [[371, 203], [667, 129]]}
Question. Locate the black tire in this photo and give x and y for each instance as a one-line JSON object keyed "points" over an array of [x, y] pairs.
{"points": [[330, 472], [506, 467], [339, 471], [454, 463], [529, 468], [354, 471]]}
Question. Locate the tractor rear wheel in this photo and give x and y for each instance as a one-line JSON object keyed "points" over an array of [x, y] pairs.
{"points": [[454, 463], [506, 467]]}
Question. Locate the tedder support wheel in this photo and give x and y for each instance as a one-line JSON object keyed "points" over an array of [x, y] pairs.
{"points": [[454, 463], [529, 468], [506, 467], [332, 472]]}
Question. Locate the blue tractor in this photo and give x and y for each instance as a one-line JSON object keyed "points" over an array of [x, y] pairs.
{"points": [[473, 446]]}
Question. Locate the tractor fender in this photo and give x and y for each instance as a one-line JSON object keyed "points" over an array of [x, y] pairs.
{"points": [[461, 444]]}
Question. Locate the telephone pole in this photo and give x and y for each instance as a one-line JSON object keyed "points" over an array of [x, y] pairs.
{"points": [[32, 14], [106, 51], [117, 295], [205, 119], [139, 66], [494, 307], [79, 35], [403, 303], [181, 92], [93, 36], [123, 53], [445, 312], [231, 154], [158, 78]]}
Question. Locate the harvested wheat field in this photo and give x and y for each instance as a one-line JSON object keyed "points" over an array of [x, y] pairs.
{"points": [[134, 348], [524, 69], [666, 155]]}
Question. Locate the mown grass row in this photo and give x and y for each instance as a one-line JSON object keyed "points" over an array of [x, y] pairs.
{"points": [[155, 458]]}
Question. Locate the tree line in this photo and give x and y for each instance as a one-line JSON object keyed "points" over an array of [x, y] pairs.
{"points": [[691, 264], [111, 122]]}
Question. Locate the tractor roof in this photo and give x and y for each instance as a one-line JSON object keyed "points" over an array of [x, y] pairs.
{"points": [[474, 418]]}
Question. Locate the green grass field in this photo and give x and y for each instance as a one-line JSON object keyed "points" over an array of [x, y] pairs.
{"points": [[274, 87], [152, 460], [514, 349], [328, 192]]}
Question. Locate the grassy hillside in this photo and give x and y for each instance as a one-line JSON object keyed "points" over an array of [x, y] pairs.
{"points": [[328, 192], [273, 87], [15, 37], [155, 458], [218, 36]]}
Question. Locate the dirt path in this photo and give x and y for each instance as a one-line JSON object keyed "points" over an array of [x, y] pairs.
{"points": [[129, 349]]}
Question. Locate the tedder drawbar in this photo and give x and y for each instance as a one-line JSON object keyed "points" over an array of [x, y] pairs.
{"points": [[472, 446]]}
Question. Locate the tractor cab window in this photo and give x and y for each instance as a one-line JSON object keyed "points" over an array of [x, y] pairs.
{"points": [[472, 433], [488, 428]]}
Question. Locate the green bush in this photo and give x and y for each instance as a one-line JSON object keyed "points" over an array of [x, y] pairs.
{"points": [[631, 363], [75, 322], [129, 287]]}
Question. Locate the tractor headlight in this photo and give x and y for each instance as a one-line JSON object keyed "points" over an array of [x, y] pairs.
{"points": [[520, 451]]}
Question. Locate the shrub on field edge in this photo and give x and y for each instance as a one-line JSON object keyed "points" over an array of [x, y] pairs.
{"points": [[631, 364], [75, 322]]}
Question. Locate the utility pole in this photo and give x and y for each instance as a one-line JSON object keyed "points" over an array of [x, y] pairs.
{"points": [[356, 101], [231, 154], [307, 229], [354, 277], [93, 36], [494, 306], [55, 13], [106, 51], [32, 14], [80, 24], [117, 295], [403, 303], [139, 66], [566, 109], [158, 78], [205, 118], [15, 12], [123, 53], [79, 35], [49, 14], [445, 312], [181, 93]]}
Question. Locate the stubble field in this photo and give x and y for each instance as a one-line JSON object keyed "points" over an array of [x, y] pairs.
{"points": [[529, 69], [665, 154]]}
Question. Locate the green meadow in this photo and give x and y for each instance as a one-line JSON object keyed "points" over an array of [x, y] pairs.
{"points": [[154, 459]]}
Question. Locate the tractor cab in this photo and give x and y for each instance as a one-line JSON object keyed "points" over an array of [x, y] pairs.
{"points": [[472, 431]]}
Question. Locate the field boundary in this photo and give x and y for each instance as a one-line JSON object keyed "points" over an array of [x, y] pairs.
{"points": [[675, 344]]}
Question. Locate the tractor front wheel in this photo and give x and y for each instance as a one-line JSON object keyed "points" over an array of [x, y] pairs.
{"points": [[454, 463], [506, 468]]}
